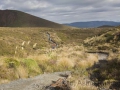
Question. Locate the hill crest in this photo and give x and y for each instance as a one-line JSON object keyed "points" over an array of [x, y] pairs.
{"points": [[93, 24], [14, 18]]}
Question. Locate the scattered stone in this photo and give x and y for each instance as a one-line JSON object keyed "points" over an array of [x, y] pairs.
{"points": [[60, 84]]}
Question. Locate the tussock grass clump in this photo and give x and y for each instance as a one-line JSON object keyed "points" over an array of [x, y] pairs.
{"points": [[64, 64], [44, 62], [12, 63], [65, 58], [22, 72], [14, 68], [32, 67], [8, 69]]}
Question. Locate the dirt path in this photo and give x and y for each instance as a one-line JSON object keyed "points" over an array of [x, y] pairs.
{"points": [[35, 83]]}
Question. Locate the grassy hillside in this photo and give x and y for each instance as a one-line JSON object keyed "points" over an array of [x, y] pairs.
{"points": [[14, 18], [108, 41], [11, 39], [106, 76]]}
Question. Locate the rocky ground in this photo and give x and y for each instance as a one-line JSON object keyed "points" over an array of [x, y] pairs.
{"points": [[35, 83]]}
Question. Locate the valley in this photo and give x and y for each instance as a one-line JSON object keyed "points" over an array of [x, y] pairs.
{"points": [[27, 52], [37, 54]]}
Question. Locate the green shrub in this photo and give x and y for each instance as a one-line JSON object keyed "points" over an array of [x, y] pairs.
{"points": [[109, 37], [12, 63], [32, 66]]}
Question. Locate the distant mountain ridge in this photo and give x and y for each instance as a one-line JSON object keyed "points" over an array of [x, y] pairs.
{"points": [[14, 18], [92, 24]]}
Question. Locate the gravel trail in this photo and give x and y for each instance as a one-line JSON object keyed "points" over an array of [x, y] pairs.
{"points": [[35, 83]]}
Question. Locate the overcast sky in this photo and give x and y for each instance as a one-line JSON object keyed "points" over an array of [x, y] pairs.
{"points": [[67, 11]]}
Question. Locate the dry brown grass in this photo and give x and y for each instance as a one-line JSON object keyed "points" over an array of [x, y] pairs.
{"points": [[12, 37], [81, 83], [22, 72], [64, 63], [65, 58]]}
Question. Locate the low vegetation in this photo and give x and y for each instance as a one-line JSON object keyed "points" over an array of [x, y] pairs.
{"points": [[22, 40], [27, 52], [109, 41], [62, 59], [106, 76]]}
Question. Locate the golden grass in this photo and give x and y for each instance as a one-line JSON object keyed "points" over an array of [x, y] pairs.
{"points": [[22, 72], [80, 83], [12, 37], [29, 62], [106, 42], [64, 58], [2, 61], [91, 59], [40, 57], [64, 64], [4, 81]]}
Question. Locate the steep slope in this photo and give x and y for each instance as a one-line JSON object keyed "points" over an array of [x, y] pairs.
{"points": [[14, 18], [108, 41]]}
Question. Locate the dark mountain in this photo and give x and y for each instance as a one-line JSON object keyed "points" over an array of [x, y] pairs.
{"points": [[92, 24], [14, 18], [105, 26]]}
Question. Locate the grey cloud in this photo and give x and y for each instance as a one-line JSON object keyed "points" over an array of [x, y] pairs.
{"points": [[25, 4], [63, 11]]}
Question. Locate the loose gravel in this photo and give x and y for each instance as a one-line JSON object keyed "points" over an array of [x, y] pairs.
{"points": [[35, 83]]}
